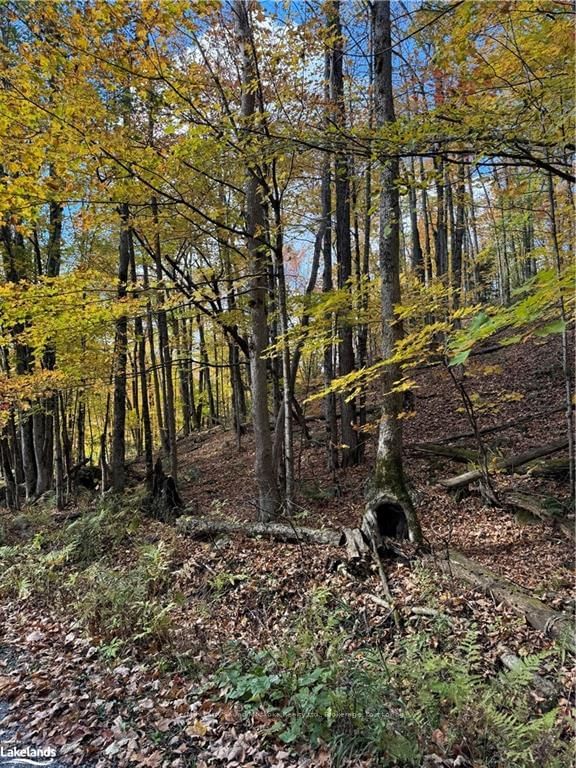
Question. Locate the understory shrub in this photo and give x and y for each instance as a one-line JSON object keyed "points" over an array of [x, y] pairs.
{"points": [[127, 604], [72, 568], [97, 534], [395, 705]]}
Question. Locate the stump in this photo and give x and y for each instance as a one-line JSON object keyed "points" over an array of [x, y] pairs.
{"points": [[164, 503]]}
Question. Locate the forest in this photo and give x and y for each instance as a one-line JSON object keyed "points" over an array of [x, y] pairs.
{"points": [[287, 448]]}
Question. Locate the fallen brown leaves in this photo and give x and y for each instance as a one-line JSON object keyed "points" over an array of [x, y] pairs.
{"points": [[155, 711]]}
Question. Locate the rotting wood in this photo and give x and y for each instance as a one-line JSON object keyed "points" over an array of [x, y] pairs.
{"points": [[463, 455], [557, 469], [206, 528], [511, 462], [544, 687], [540, 509], [537, 614]]}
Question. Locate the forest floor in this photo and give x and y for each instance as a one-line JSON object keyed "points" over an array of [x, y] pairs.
{"points": [[151, 700]]}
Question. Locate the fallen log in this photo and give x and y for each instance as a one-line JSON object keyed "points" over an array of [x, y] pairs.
{"points": [[545, 509], [556, 469], [463, 455], [208, 528], [544, 687], [537, 614], [549, 510], [511, 462]]}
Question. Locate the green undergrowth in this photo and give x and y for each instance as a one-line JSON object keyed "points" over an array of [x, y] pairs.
{"points": [[98, 568], [323, 682], [394, 704]]}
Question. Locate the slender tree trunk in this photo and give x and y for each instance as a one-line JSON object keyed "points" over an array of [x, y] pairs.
{"points": [[416, 257], [165, 355], [9, 479], [58, 458], [162, 433], [183, 378], [564, 336], [269, 500], [327, 286], [343, 242], [118, 448], [287, 390], [440, 234], [66, 442], [205, 372], [428, 271], [141, 379], [458, 239], [389, 484], [81, 429]]}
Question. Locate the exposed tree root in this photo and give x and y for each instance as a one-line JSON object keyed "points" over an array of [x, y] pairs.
{"points": [[536, 613]]}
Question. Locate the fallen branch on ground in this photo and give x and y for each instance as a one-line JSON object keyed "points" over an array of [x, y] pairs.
{"points": [[207, 528], [497, 428], [540, 509], [544, 687], [463, 455], [511, 462], [537, 614]]}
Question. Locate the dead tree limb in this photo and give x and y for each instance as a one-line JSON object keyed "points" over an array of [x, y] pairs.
{"points": [[206, 528], [463, 455], [510, 424], [544, 509], [537, 614], [509, 463]]}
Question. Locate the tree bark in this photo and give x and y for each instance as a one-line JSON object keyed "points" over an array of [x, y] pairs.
{"points": [[416, 256], [165, 353], [343, 242], [388, 480], [269, 499], [327, 286], [118, 448]]}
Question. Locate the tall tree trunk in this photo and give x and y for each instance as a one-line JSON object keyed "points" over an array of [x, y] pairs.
{"points": [[205, 372], [343, 243], [458, 239], [389, 488], [162, 433], [118, 448], [564, 343], [141, 379], [58, 457], [416, 258], [165, 354], [269, 500], [327, 286], [440, 233], [183, 378], [9, 479], [364, 271], [287, 388], [428, 271]]}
